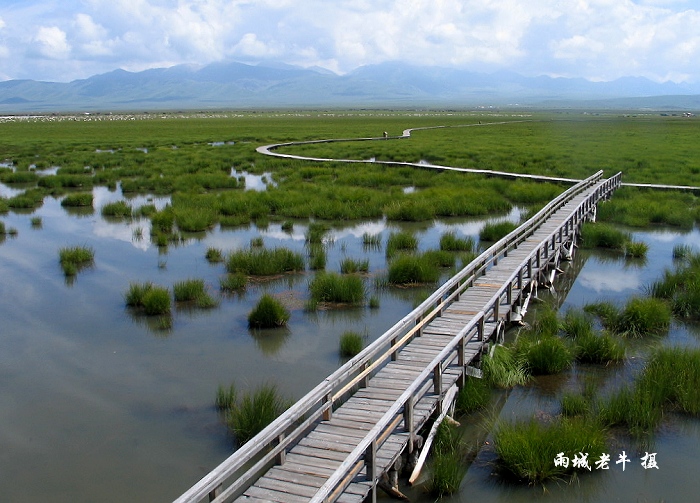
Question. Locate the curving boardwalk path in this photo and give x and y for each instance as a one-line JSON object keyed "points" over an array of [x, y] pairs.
{"points": [[270, 150], [338, 441]]}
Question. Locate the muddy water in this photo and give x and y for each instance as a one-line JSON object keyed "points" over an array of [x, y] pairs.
{"points": [[98, 404]]}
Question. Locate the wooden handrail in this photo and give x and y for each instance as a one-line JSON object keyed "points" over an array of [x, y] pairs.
{"points": [[265, 446]]}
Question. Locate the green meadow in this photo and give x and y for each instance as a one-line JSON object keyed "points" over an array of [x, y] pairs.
{"points": [[191, 158]]}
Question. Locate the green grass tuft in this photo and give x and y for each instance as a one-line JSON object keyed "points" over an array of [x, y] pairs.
{"points": [[495, 231], [75, 258], [233, 282], [350, 266], [78, 200], [503, 369], [118, 209], [600, 235], [474, 395], [254, 411], [350, 344], [450, 242], [527, 450], [412, 269], [214, 255], [544, 354], [264, 261], [332, 287], [268, 313], [400, 241]]}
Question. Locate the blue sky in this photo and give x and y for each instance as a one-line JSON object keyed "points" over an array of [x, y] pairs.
{"points": [[63, 40]]}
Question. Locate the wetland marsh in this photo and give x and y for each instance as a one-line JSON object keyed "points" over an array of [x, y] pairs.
{"points": [[102, 399]]}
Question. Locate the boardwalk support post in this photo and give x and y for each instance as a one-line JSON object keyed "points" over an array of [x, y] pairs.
{"points": [[281, 456], [214, 493], [328, 413], [408, 423], [371, 463]]}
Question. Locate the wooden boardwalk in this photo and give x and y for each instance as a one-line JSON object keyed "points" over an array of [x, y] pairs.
{"points": [[338, 440]]}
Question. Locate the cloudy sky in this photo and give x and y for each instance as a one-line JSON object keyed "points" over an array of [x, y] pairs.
{"points": [[63, 40]]}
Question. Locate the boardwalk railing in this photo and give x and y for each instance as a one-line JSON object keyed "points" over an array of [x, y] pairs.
{"points": [[243, 467]]}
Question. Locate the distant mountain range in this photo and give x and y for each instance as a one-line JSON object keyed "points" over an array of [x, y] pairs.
{"points": [[237, 85]]}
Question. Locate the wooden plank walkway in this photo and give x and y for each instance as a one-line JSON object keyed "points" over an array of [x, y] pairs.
{"points": [[326, 446], [338, 440]]}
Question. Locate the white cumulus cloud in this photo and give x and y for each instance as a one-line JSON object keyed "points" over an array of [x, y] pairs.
{"points": [[51, 42], [595, 39]]}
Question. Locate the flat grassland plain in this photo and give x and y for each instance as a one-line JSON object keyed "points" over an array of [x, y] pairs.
{"points": [[103, 401]]}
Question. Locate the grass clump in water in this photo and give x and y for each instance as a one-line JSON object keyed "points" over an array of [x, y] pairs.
{"points": [[75, 258], [669, 382], [503, 369], [118, 209], [351, 266], [233, 282], [249, 415], [154, 300], [450, 242], [316, 233], [371, 241], [680, 287], [401, 241], [495, 231], [214, 255], [317, 257], [193, 290], [636, 249], [527, 450], [591, 347], [264, 261], [447, 467], [36, 222], [474, 395], [544, 354], [268, 313], [412, 269], [350, 344], [641, 316], [334, 288], [77, 200], [226, 397], [681, 251], [575, 404], [601, 235]]}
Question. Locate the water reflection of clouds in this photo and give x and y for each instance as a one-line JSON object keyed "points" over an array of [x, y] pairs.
{"points": [[254, 182], [6, 191], [102, 196], [124, 231], [604, 279], [473, 227], [357, 231]]}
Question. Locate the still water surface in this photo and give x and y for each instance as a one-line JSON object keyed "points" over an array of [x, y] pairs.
{"points": [[96, 404]]}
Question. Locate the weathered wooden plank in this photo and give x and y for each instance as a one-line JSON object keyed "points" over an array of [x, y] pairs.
{"points": [[271, 495]]}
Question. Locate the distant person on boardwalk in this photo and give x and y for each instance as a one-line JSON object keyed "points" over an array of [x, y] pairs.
{"points": [[386, 135]]}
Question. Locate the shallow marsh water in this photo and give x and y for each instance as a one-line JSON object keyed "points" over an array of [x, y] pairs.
{"points": [[97, 404]]}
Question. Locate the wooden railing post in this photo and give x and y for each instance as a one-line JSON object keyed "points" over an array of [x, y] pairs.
{"points": [[282, 455], [328, 413], [214, 493], [408, 422], [437, 386], [371, 464]]}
